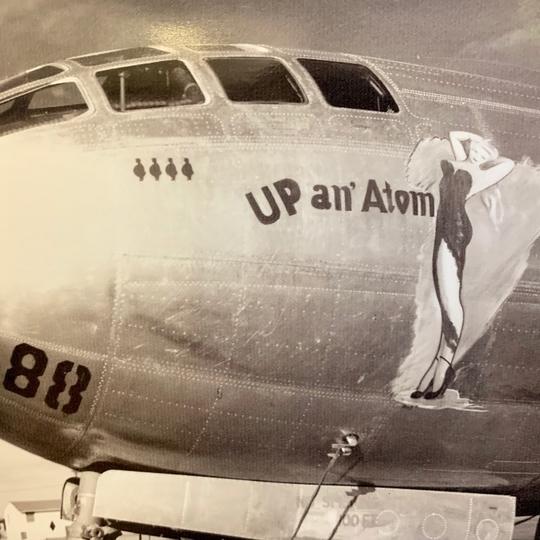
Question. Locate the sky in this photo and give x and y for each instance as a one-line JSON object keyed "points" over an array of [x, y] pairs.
{"points": [[503, 31], [482, 34], [24, 476]]}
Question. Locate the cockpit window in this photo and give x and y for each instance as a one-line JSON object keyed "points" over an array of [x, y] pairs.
{"points": [[117, 56], [55, 103], [256, 80], [351, 86], [147, 86], [31, 76]]}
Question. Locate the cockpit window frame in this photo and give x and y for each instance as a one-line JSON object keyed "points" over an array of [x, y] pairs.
{"points": [[151, 110], [84, 60], [387, 84], [90, 111], [242, 104], [21, 86]]}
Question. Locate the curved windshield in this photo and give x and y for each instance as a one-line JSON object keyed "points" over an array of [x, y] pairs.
{"points": [[33, 75], [54, 103], [116, 56]]}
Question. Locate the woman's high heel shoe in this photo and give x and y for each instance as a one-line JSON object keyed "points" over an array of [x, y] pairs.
{"points": [[449, 378], [417, 394]]}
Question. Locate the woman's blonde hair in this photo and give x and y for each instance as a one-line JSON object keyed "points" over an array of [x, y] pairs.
{"points": [[486, 148]]}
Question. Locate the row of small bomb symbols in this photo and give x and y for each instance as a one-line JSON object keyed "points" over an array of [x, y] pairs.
{"points": [[156, 171]]}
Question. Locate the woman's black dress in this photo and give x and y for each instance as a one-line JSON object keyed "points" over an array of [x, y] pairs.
{"points": [[454, 227]]}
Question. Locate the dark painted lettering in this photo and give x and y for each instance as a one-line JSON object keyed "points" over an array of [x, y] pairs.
{"points": [[373, 198], [289, 192], [419, 203], [23, 380], [321, 200], [75, 392], [59, 380], [377, 196], [275, 213], [402, 200], [346, 192], [388, 191]]}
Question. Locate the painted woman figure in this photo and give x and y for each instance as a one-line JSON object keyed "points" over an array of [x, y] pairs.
{"points": [[476, 167]]}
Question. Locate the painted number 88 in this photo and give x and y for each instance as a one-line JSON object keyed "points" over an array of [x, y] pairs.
{"points": [[24, 380]]}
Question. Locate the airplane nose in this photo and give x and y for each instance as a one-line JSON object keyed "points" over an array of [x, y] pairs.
{"points": [[25, 420], [47, 394], [55, 293]]}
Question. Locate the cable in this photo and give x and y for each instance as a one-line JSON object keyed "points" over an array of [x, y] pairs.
{"points": [[332, 462], [344, 448], [524, 520], [529, 483], [344, 513]]}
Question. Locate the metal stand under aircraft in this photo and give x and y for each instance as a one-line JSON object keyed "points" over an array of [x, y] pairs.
{"points": [[261, 510], [78, 500]]}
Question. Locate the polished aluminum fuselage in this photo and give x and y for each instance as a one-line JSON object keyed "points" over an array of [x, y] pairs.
{"points": [[219, 345]]}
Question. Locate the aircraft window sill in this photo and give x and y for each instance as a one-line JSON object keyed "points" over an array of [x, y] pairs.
{"points": [[274, 103], [38, 121], [133, 106], [365, 110], [241, 102], [34, 113]]}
